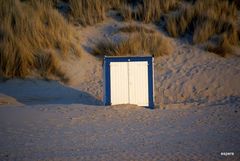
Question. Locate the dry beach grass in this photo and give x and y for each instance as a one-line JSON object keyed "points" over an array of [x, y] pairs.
{"points": [[87, 12], [204, 20], [135, 28], [140, 43], [34, 37], [32, 32]]}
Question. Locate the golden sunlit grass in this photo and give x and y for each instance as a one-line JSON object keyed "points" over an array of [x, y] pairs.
{"points": [[135, 28], [205, 19], [88, 12], [136, 44], [126, 12], [178, 22], [114, 4], [152, 10], [146, 10], [28, 31]]}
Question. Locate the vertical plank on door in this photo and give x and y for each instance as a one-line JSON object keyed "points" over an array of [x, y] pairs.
{"points": [[138, 83], [119, 83]]}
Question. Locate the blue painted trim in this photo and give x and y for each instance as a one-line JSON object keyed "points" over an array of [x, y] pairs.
{"points": [[127, 59], [107, 86], [150, 84]]}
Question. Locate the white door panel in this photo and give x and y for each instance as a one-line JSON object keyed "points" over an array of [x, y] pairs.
{"points": [[129, 83], [138, 83], [119, 83]]}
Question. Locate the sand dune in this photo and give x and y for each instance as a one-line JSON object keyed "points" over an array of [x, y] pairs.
{"points": [[197, 98]]}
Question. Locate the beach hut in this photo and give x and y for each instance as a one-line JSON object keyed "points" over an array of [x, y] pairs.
{"points": [[129, 80]]}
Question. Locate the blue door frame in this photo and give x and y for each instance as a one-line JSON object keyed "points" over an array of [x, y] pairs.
{"points": [[107, 77]]}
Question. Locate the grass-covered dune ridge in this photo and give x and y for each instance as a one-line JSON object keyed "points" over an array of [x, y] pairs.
{"points": [[143, 42], [204, 20], [36, 35]]}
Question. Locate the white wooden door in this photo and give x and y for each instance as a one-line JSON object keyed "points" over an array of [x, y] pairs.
{"points": [[138, 83], [119, 83], [129, 83]]}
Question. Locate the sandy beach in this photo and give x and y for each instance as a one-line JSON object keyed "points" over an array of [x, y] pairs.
{"points": [[196, 114]]}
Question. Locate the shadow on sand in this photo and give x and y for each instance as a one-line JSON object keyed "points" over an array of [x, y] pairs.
{"points": [[41, 92]]}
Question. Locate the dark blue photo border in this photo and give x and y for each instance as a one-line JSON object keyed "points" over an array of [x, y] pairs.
{"points": [[107, 86]]}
